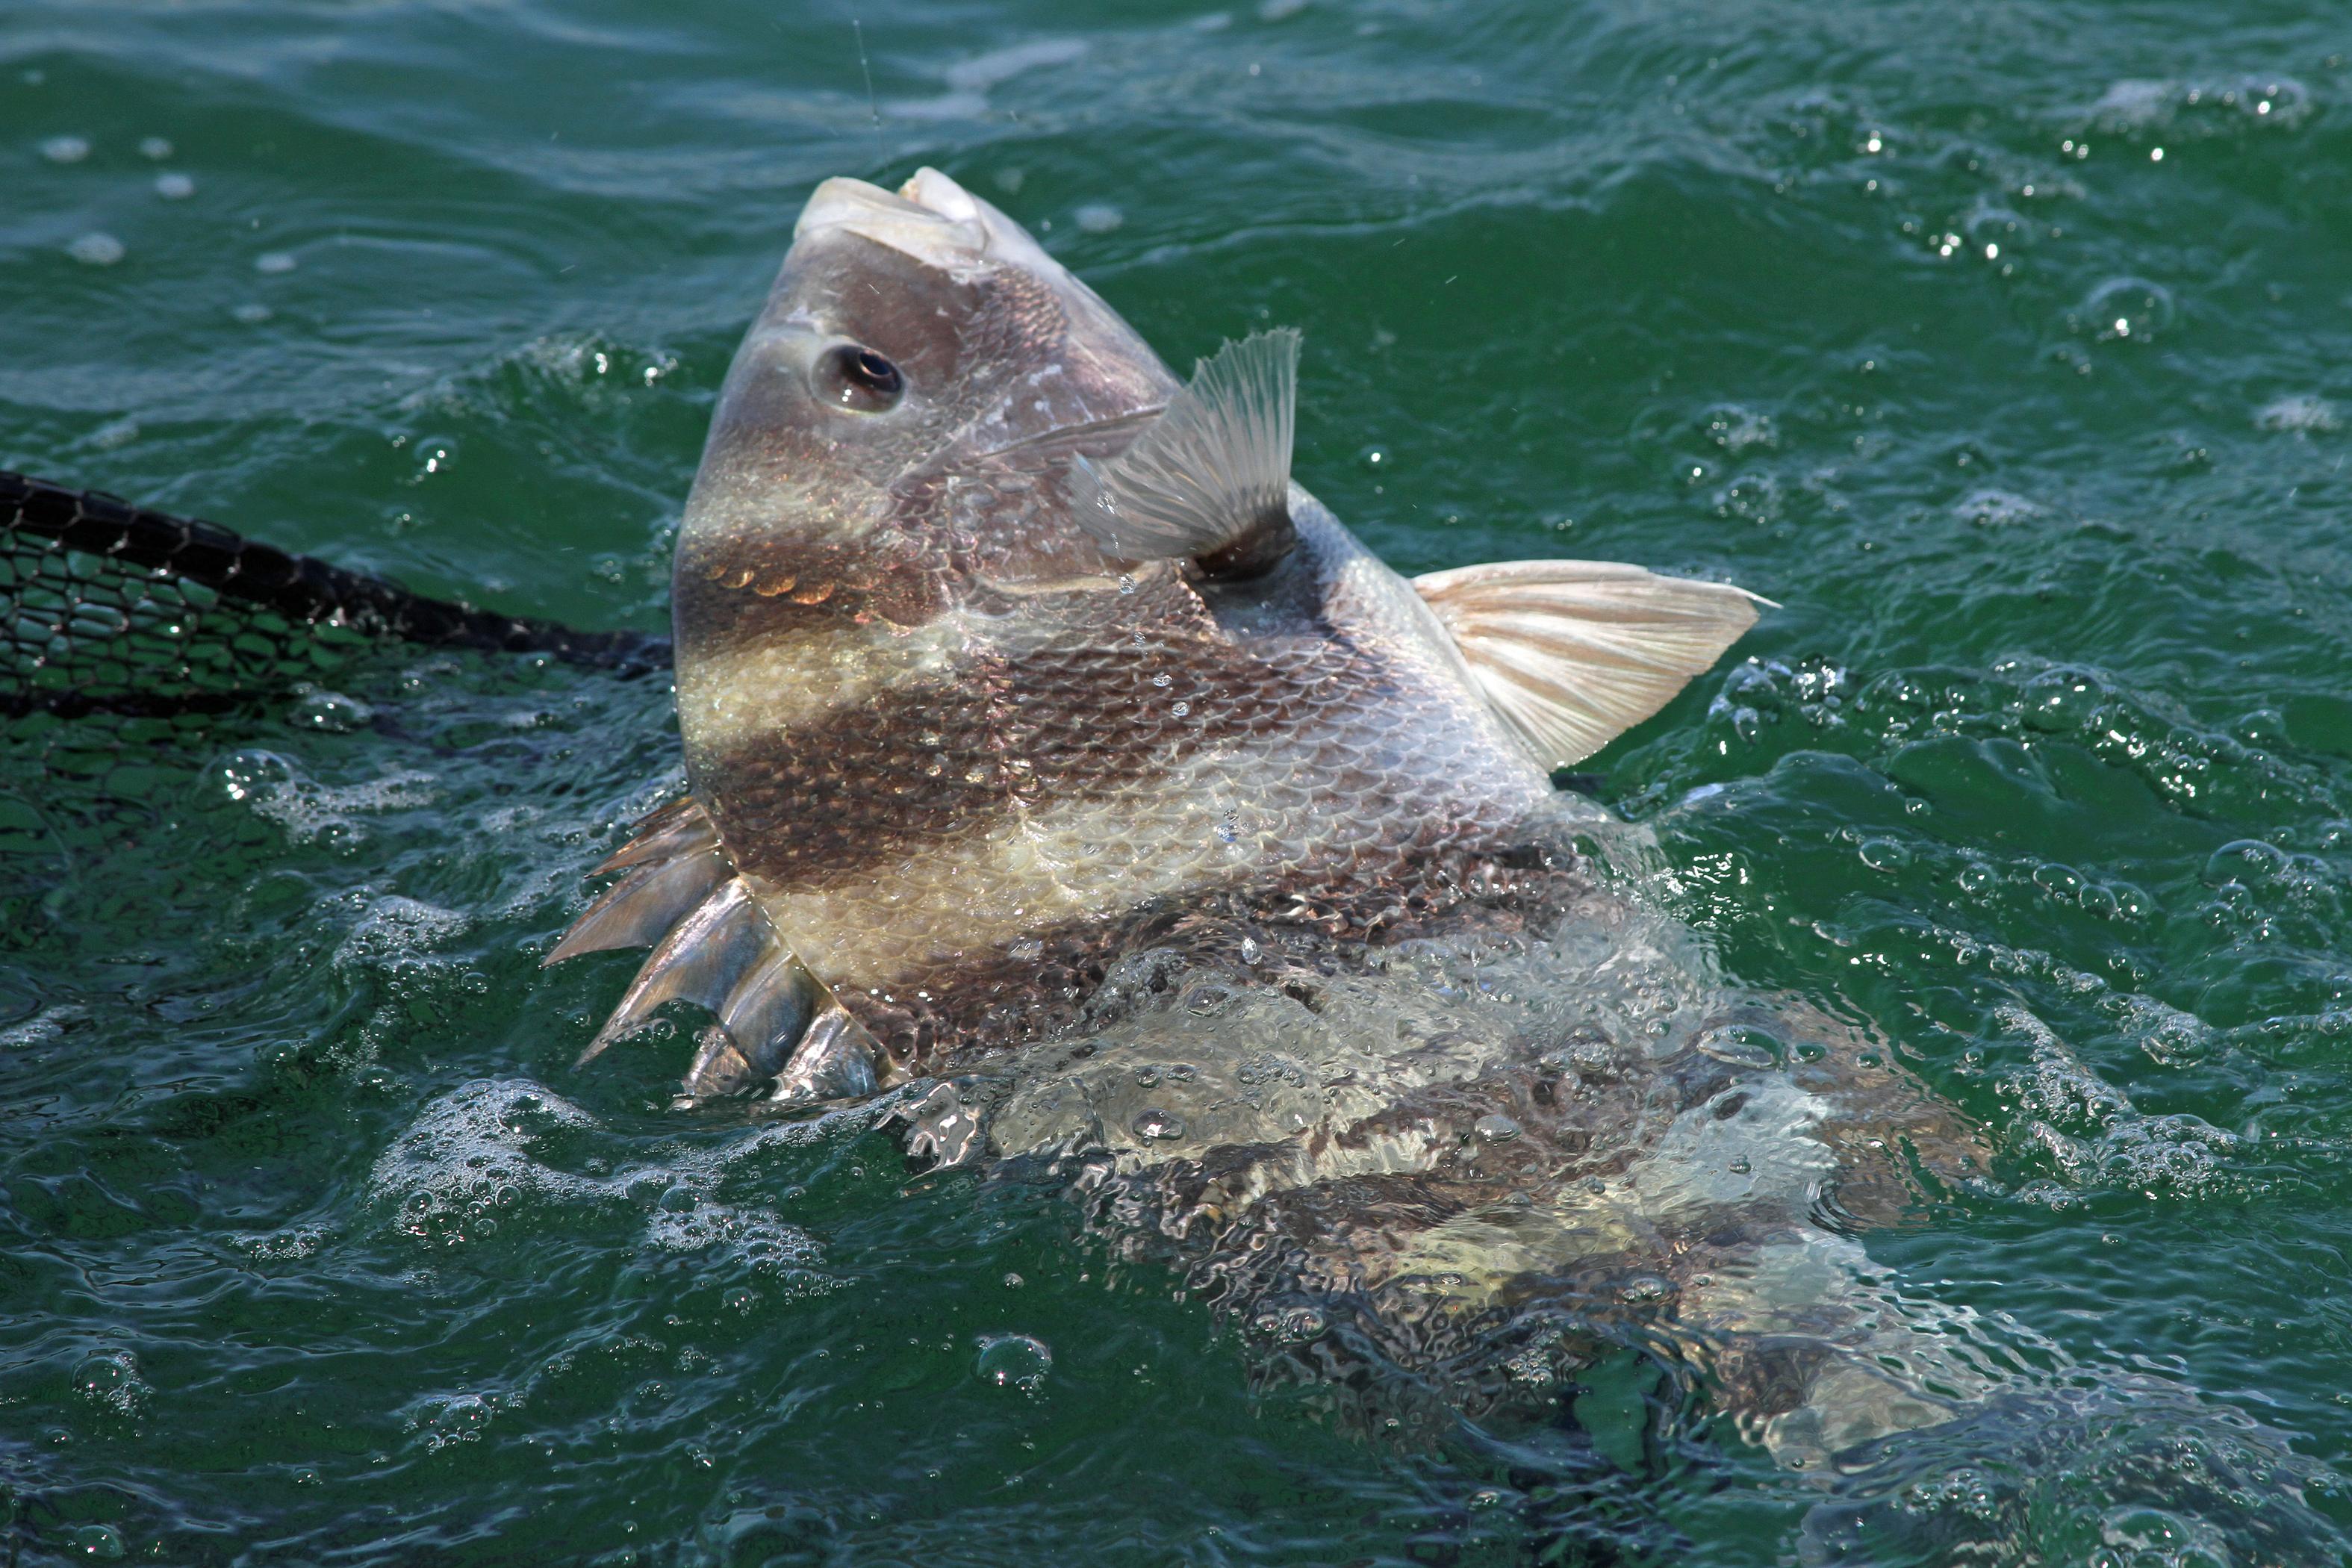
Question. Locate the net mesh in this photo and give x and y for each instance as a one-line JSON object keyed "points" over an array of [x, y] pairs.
{"points": [[111, 608]]}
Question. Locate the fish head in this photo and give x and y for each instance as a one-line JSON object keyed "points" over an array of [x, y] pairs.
{"points": [[906, 334]]}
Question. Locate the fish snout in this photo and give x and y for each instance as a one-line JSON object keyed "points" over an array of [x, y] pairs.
{"points": [[897, 220], [930, 219]]}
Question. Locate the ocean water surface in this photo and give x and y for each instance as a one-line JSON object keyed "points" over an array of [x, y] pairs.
{"points": [[2003, 344]]}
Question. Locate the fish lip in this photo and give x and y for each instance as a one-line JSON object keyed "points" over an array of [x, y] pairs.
{"points": [[894, 219], [930, 218]]}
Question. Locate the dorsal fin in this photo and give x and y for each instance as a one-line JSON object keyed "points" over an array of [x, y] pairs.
{"points": [[1210, 480], [1572, 654]]}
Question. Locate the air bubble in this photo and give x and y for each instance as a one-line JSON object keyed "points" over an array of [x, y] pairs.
{"points": [[2125, 310], [2059, 881], [1885, 855], [101, 1543], [2244, 861], [1014, 1361], [66, 149]]}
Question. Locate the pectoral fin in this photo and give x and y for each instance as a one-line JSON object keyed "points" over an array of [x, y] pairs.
{"points": [[1572, 654], [1208, 481]]}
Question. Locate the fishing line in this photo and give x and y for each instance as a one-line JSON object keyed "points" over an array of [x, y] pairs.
{"points": [[881, 154]]}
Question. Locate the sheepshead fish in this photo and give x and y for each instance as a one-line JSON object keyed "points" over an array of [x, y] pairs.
{"points": [[1002, 655], [1052, 752], [1045, 739]]}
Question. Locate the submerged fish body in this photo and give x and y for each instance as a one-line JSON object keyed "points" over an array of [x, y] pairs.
{"points": [[1047, 742]]}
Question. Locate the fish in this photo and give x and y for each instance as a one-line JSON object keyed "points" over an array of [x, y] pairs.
{"points": [[997, 649], [1059, 770]]}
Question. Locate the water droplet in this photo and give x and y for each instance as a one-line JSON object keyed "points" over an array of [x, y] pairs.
{"points": [[1126, 584], [66, 149], [251, 315], [1157, 1124], [96, 249], [1495, 1128], [1249, 950], [1100, 217], [275, 261], [175, 187], [154, 147], [1014, 1361]]}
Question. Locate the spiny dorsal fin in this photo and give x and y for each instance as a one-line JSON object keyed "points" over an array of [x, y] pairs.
{"points": [[1210, 480], [1572, 654]]}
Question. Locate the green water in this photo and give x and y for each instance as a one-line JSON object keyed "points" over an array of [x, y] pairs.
{"points": [[1893, 313]]}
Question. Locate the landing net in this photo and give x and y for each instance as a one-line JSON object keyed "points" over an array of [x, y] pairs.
{"points": [[111, 608]]}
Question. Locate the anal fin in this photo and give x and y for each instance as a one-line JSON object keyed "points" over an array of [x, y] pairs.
{"points": [[713, 947], [836, 1060]]}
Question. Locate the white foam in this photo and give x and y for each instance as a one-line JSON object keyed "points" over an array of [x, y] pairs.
{"points": [[2093, 1136], [486, 1153], [392, 931], [2302, 414], [279, 792]]}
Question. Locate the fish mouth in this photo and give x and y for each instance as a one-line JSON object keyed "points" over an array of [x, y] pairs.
{"points": [[930, 219]]}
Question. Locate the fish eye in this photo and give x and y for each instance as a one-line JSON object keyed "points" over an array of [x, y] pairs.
{"points": [[857, 378]]}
